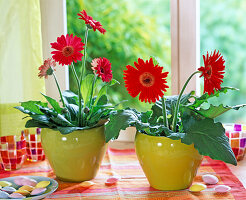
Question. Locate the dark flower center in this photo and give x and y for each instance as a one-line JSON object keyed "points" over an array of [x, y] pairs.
{"points": [[209, 71], [147, 79], [67, 51], [102, 70]]}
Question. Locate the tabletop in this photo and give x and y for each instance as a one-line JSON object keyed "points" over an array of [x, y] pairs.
{"points": [[133, 183]]}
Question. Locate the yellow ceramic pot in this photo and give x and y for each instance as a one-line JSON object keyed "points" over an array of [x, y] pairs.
{"points": [[74, 157], [168, 164]]}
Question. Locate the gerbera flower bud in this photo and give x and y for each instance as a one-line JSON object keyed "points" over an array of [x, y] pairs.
{"points": [[102, 67], [91, 23], [146, 79], [86, 110], [212, 71], [47, 68], [67, 49]]}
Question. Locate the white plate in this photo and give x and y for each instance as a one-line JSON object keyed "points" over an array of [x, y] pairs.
{"points": [[50, 188]]}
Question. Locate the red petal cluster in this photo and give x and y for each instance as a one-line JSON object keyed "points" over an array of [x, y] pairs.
{"points": [[67, 49], [146, 79], [102, 67], [43, 69], [212, 71], [95, 25]]}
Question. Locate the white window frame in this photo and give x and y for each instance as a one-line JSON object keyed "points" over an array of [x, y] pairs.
{"points": [[185, 43], [54, 24]]}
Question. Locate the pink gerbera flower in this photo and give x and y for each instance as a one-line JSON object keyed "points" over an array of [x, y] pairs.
{"points": [[95, 25], [67, 49], [102, 67], [47, 68]]}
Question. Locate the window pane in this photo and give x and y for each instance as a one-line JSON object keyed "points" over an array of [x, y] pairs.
{"points": [[135, 29], [223, 27]]}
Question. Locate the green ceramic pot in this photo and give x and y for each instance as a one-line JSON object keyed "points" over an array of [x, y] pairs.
{"points": [[77, 156], [168, 164]]}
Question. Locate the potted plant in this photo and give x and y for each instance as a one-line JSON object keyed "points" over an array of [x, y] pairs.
{"points": [[73, 132], [174, 136]]}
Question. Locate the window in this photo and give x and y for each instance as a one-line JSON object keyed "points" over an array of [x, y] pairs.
{"points": [[135, 29], [184, 30], [226, 32]]}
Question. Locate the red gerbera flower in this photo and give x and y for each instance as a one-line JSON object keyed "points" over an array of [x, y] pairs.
{"points": [[213, 71], [95, 25], [47, 68], [146, 79], [67, 49], [102, 67]]}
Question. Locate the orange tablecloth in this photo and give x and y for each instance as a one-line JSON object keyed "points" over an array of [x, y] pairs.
{"points": [[133, 184]]}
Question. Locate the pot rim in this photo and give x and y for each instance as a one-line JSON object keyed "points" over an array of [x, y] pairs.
{"points": [[138, 132], [77, 130]]}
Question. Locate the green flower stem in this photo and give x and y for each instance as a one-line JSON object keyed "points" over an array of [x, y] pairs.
{"points": [[80, 118], [174, 124], [59, 89], [84, 59], [92, 91], [164, 112]]}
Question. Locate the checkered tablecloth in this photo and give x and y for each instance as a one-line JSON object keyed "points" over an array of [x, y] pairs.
{"points": [[133, 184]]}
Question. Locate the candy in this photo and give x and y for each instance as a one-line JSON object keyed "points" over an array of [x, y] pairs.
{"points": [[222, 188], [42, 184], [8, 189], [4, 195], [27, 187], [197, 187], [22, 180], [23, 192], [111, 181], [16, 196], [38, 191], [19, 180], [30, 182], [210, 179], [5, 183], [87, 184]]}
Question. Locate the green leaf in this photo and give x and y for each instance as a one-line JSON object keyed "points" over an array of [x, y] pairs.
{"points": [[103, 90], [120, 120], [207, 136], [32, 106], [53, 103], [103, 100], [20, 108], [67, 130], [215, 111], [86, 88], [204, 98], [61, 120], [70, 98], [73, 110], [47, 111], [33, 123], [41, 119]]}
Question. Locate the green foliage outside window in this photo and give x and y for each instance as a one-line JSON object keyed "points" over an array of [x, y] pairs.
{"points": [[142, 27], [133, 31], [223, 27]]}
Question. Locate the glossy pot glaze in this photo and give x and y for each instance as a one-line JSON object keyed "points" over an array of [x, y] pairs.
{"points": [[168, 164], [77, 156]]}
